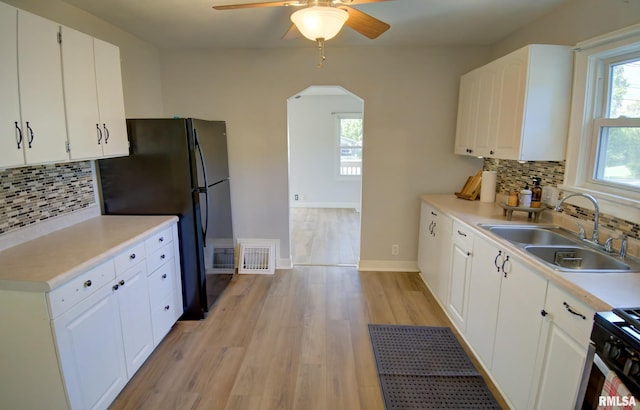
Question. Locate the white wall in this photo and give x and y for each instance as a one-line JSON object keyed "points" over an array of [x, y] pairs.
{"points": [[573, 21], [140, 60], [410, 97], [313, 154]]}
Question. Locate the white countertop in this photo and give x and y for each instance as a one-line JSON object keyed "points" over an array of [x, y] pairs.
{"points": [[44, 263], [602, 291]]}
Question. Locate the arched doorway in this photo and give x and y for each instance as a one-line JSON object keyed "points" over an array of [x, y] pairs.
{"points": [[325, 135]]}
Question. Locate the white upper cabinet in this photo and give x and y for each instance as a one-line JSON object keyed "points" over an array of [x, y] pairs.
{"points": [[11, 152], [93, 96], [33, 123], [110, 98], [517, 107]]}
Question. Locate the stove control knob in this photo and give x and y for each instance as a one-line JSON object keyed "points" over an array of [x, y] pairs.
{"points": [[632, 367], [612, 351]]}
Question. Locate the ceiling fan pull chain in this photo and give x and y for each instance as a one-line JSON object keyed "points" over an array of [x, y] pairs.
{"points": [[321, 56]]}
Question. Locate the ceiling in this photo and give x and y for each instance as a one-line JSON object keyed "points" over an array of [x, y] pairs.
{"points": [[194, 24]]}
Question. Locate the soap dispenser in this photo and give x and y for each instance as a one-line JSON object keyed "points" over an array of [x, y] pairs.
{"points": [[525, 197], [536, 193]]}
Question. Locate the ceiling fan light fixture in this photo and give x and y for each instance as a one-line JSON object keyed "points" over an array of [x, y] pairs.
{"points": [[319, 22]]}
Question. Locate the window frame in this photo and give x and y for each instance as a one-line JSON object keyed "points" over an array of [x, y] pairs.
{"points": [[338, 116], [588, 103]]}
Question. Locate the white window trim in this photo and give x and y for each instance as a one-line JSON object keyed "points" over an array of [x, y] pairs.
{"points": [[337, 116], [585, 101]]}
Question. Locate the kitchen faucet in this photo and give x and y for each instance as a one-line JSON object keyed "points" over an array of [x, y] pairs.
{"points": [[596, 217]]}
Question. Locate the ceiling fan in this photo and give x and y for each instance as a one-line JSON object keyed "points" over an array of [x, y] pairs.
{"points": [[321, 20]]}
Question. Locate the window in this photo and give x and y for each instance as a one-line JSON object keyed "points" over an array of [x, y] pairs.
{"points": [[603, 148], [616, 160], [349, 131]]}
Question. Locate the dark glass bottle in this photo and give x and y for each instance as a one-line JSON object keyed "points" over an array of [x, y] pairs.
{"points": [[536, 193]]}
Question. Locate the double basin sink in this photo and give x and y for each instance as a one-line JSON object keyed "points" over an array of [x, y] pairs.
{"points": [[561, 249]]}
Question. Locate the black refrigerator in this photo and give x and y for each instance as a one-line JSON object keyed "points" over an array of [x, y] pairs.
{"points": [[179, 166]]}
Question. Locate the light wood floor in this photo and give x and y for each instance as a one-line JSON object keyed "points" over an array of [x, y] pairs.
{"points": [[325, 236], [294, 340]]}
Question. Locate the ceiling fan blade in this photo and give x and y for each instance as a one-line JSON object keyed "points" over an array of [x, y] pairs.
{"points": [[365, 24], [292, 33], [263, 4]]}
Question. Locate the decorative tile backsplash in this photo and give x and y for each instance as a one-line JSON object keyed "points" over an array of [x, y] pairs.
{"points": [[513, 175], [32, 194]]}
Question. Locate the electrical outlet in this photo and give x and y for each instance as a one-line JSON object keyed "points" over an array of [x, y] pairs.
{"points": [[395, 250], [296, 197]]}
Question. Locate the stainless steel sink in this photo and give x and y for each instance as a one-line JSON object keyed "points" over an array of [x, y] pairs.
{"points": [[574, 258], [532, 235], [562, 249]]}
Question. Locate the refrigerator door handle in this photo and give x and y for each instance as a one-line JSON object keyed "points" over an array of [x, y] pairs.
{"points": [[204, 188]]}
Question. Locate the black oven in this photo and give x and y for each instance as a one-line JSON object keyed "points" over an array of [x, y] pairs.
{"points": [[616, 339]]}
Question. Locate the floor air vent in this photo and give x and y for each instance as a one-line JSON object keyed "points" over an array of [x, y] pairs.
{"points": [[257, 257]]}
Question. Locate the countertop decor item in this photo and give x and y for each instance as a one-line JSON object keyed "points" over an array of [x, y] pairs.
{"points": [[533, 212], [471, 189]]}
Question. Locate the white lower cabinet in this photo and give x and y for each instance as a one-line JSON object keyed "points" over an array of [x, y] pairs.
{"points": [[92, 359], [434, 250], [484, 297], [461, 256], [93, 332], [562, 351], [522, 296]]}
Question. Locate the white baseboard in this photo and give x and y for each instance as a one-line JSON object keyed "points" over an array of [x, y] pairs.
{"points": [[387, 266], [298, 204], [283, 263]]}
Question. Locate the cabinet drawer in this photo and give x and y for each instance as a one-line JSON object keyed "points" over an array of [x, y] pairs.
{"points": [[559, 303], [159, 257], [462, 235], [163, 316], [162, 282], [129, 258], [64, 297], [158, 240]]}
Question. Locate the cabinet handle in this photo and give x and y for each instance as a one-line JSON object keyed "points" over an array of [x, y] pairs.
{"points": [[573, 312], [161, 239], [121, 283], [115, 287], [468, 253], [162, 256], [491, 152], [87, 283], [99, 133], [433, 230], [31, 136], [495, 261], [164, 276], [167, 307], [106, 133], [132, 256], [503, 263], [18, 134], [432, 213], [431, 227], [543, 313], [462, 233]]}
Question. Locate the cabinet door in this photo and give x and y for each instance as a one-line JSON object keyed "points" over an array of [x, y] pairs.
{"points": [[81, 99], [522, 296], [110, 98], [135, 315], [563, 363], [41, 96], [459, 277], [442, 256], [484, 296], [467, 113], [91, 353], [484, 142], [11, 152], [510, 108]]}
